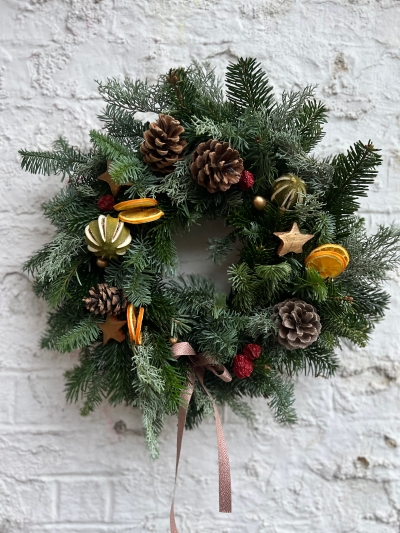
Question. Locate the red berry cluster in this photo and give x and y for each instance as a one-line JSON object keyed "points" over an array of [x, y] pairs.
{"points": [[243, 362], [246, 181], [106, 203]]}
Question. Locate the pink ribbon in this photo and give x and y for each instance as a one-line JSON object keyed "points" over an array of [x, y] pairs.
{"points": [[199, 363]]}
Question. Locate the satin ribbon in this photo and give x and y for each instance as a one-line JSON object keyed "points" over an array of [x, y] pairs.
{"points": [[198, 364]]}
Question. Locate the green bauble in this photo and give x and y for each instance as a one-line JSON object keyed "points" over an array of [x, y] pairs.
{"points": [[107, 237], [288, 190]]}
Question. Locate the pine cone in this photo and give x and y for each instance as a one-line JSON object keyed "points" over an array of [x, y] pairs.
{"points": [[216, 166], [162, 145], [298, 323], [105, 300]]}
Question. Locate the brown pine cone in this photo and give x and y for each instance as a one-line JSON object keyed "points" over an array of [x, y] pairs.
{"points": [[216, 166], [298, 323], [162, 146], [105, 300]]}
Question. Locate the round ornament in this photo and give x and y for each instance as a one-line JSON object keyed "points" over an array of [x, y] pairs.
{"points": [[259, 203], [288, 190], [102, 263], [107, 237]]}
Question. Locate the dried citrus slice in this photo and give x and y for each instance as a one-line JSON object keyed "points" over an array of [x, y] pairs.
{"points": [[334, 248], [131, 321], [138, 334], [140, 216], [328, 264], [131, 204]]}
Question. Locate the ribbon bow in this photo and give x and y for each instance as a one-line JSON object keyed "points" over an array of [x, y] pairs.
{"points": [[199, 363]]}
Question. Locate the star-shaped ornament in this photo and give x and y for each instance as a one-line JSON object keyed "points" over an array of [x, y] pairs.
{"points": [[292, 241], [108, 179], [111, 329]]}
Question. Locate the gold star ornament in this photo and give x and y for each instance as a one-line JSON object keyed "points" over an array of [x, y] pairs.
{"points": [[111, 329], [108, 179], [292, 241]]}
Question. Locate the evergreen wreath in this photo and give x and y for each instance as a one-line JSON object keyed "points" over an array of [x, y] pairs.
{"points": [[169, 155]]}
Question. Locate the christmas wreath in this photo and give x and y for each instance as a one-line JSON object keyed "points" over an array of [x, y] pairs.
{"points": [[171, 154]]}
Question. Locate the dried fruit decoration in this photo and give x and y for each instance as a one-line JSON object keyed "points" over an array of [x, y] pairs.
{"points": [[329, 260], [140, 211], [107, 237]]}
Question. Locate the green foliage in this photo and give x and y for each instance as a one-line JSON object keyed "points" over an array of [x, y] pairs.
{"points": [[311, 287], [273, 137], [248, 86], [83, 334], [353, 173], [63, 160]]}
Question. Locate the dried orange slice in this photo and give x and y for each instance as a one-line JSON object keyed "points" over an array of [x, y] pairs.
{"points": [[138, 334], [131, 321], [140, 216], [327, 264], [131, 204], [334, 248]]}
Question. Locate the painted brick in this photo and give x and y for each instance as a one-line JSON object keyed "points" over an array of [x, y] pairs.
{"points": [[338, 469]]}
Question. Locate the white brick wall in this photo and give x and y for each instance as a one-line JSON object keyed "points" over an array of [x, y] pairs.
{"points": [[336, 471]]}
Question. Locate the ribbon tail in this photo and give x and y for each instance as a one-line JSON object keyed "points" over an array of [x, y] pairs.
{"points": [[186, 394], [225, 489]]}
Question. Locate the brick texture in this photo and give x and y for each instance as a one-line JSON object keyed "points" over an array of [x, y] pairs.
{"points": [[338, 470]]}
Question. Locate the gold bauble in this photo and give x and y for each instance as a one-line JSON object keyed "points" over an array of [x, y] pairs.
{"points": [[259, 202], [173, 340], [102, 263]]}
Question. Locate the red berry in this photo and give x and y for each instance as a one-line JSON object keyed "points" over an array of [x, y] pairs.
{"points": [[106, 203], [242, 367], [252, 351], [246, 181]]}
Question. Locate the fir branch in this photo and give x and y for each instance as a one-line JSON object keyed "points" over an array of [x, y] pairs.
{"points": [[137, 288], [242, 409], [244, 285], [261, 325], [353, 173], [311, 287], [63, 159], [134, 96], [83, 334], [109, 147], [132, 171], [248, 86], [71, 210], [282, 398], [220, 247], [55, 257], [147, 373], [371, 257]]}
